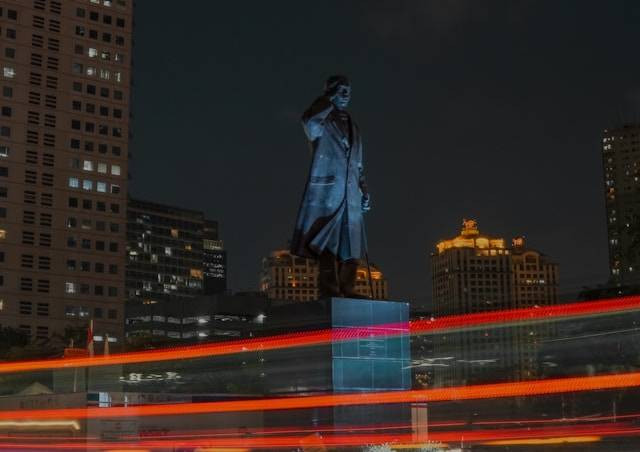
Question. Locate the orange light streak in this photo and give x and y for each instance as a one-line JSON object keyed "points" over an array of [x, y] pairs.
{"points": [[573, 434], [545, 441], [176, 434], [320, 337], [474, 392], [505, 317]]}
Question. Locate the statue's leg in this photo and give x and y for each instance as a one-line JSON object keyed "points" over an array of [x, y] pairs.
{"points": [[348, 275], [328, 275]]}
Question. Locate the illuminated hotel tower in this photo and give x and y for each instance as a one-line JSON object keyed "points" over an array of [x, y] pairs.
{"points": [[64, 135], [474, 273]]}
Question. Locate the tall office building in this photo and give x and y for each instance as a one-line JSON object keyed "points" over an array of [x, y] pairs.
{"points": [[170, 250], [288, 277], [621, 165], [64, 133], [475, 273]]}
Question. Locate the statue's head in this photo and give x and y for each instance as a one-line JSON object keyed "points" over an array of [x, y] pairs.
{"points": [[340, 88]]}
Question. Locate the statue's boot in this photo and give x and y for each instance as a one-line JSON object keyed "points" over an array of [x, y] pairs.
{"points": [[348, 276], [328, 276]]}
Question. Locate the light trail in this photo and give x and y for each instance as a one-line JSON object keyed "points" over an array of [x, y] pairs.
{"points": [[589, 336], [473, 392], [541, 436], [327, 336], [515, 316], [377, 428]]}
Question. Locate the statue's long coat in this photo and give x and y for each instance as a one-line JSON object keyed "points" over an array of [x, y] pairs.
{"points": [[333, 189]]}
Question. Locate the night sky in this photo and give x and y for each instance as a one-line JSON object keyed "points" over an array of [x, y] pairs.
{"points": [[490, 110]]}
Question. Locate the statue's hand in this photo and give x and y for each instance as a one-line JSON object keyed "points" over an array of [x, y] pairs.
{"points": [[333, 90], [333, 93], [366, 202]]}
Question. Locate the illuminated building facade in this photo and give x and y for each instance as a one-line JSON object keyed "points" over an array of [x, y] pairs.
{"points": [[167, 261], [621, 169], [288, 277], [474, 273], [64, 135], [203, 318], [535, 277], [471, 273], [214, 260]]}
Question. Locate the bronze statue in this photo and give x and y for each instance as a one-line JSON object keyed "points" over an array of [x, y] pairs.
{"points": [[330, 224]]}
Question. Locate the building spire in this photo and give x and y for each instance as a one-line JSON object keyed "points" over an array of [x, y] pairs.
{"points": [[469, 227]]}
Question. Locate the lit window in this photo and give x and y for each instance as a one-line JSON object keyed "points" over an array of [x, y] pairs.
{"points": [[117, 76], [88, 165], [10, 72], [115, 170], [174, 233], [118, 57], [106, 2], [101, 187], [92, 52], [102, 168], [70, 287], [74, 182], [104, 74], [91, 71], [107, 56], [87, 185], [4, 151]]}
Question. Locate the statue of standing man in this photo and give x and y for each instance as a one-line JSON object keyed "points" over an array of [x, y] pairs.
{"points": [[330, 226]]}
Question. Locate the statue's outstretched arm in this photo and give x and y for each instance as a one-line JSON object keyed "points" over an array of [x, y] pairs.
{"points": [[313, 119]]}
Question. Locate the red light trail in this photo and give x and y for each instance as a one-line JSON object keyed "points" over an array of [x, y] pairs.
{"points": [[321, 337], [566, 434], [473, 392]]}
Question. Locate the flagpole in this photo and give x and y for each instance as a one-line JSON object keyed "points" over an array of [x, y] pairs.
{"points": [[90, 338], [90, 351], [75, 371]]}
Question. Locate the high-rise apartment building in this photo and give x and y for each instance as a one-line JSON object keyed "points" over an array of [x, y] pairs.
{"points": [[621, 167], [64, 133], [171, 255], [475, 273], [288, 277]]}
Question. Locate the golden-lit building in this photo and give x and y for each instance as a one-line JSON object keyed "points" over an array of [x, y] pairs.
{"points": [[473, 273], [288, 277]]}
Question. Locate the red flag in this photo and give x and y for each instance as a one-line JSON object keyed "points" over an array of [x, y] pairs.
{"points": [[90, 338]]}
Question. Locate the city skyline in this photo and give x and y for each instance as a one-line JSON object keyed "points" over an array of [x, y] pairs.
{"points": [[151, 161], [471, 110]]}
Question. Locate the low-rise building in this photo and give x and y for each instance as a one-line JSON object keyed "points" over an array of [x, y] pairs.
{"points": [[288, 277]]}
